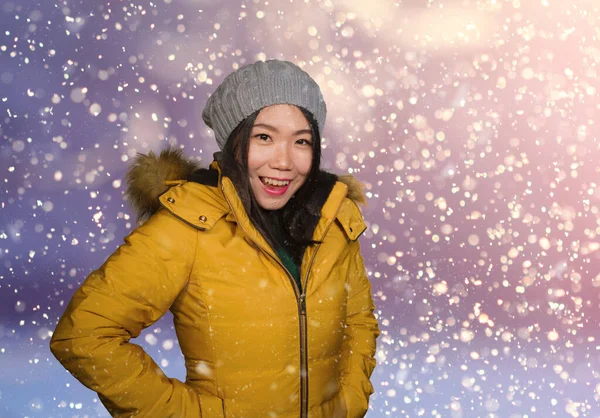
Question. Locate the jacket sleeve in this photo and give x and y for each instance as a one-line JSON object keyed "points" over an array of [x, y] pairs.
{"points": [[134, 287], [361, 332]]}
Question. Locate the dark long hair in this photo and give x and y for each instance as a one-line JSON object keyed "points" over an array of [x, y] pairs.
{"points": [[291, 226]]}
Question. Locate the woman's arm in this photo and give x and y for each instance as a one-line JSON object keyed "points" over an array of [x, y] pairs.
{"points": [[361, 331], [132, 290]]}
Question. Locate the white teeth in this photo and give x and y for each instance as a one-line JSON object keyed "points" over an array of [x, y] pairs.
{"points": [[275, 182]]}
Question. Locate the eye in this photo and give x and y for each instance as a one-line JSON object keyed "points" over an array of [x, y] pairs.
{"points": [[262, 137], [304, 142]]}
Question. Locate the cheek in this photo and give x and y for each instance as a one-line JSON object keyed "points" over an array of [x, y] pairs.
{"points": [[303, 162], [255, 159]]}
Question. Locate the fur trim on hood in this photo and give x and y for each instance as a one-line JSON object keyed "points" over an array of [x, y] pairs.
{"points": [[355, 189], [148, 175], [146, 178]]}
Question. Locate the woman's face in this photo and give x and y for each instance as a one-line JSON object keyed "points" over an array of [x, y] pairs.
{"points": [[279, 154]]}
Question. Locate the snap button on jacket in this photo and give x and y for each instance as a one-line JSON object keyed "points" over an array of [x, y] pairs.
{"points": [[253, 345]]}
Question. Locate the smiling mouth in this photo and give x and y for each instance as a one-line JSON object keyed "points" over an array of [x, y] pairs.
{"points": [[274, 183]]}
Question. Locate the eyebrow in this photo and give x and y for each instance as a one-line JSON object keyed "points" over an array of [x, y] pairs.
{"points": [[274, 129]]}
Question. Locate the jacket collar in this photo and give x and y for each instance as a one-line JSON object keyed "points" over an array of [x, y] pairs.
{"points": [[198, 205], [345, 210], [155, 181]]}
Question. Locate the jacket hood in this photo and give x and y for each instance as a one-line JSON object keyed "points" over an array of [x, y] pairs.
{"points": [[151, 175]]}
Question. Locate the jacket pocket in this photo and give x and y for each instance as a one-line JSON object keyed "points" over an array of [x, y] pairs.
{"points": [[211, 406]]}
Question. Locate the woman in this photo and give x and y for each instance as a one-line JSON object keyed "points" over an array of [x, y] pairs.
{"points": [[256, 257]]}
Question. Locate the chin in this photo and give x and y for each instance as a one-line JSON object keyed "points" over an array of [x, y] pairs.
{"points": [[272, 205]]}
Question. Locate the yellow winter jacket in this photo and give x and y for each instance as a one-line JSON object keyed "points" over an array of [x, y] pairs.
{"points": [[254, 345]]}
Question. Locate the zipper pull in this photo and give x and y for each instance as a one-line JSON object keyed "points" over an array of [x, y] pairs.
{"points": [[303, 304]]}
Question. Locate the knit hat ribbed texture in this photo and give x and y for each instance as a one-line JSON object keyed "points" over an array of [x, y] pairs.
{"points": [[258, 85]]}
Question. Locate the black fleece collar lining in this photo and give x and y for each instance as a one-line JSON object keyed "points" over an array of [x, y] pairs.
{"points": [[206, 176]]}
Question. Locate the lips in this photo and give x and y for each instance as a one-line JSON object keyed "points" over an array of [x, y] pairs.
{"points": [[273, 190]]}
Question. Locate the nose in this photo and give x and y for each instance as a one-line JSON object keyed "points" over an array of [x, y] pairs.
{"points": [[282, 157]]}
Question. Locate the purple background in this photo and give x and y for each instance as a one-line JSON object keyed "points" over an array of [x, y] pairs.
{"points": [[472, 123]]}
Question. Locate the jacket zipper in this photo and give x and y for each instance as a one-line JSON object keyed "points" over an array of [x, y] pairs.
{"points": [[303, 323], [301, 302]]}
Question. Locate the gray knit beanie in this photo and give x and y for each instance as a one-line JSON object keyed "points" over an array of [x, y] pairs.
{"points": [[258, 85]]}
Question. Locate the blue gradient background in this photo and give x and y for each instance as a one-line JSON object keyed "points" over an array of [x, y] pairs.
{"points": [[472, 123]]}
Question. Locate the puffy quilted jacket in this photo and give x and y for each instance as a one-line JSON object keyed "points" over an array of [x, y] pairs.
{"points": [[254, 345]]}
